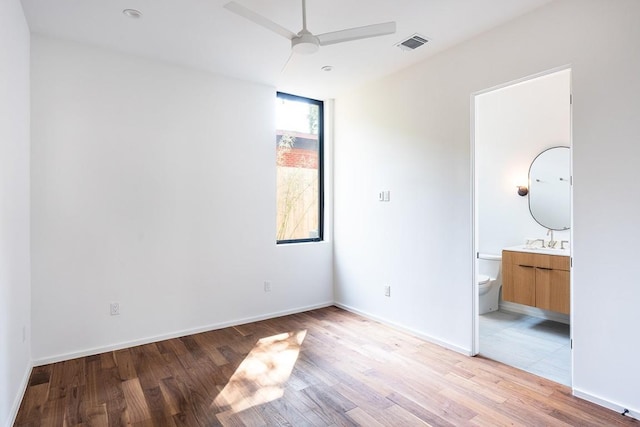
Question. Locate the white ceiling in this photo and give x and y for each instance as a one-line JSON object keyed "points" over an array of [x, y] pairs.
{"points": [[204, 35]]}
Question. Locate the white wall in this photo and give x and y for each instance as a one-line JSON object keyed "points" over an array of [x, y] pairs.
{"points": [[409, 133], [15, 361], [512, 126], [153, 186]]}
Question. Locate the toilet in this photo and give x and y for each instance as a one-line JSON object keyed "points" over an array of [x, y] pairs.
{"points": [[489, 287]]}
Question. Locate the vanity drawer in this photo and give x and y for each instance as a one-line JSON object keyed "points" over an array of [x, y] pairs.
{"points": [[527, 259]]}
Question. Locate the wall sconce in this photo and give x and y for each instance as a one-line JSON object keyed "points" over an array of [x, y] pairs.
{"points": [[522, 190]]}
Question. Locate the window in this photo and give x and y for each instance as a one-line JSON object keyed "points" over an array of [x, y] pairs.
{"points": [[299, 139]]}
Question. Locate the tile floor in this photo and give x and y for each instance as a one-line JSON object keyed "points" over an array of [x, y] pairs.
{"points": [[535, 345]]}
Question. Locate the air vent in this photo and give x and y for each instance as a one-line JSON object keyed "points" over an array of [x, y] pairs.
{"points": [[413, 42]]}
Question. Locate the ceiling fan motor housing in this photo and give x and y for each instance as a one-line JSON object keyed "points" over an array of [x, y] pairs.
{"points": [[305, 43]]}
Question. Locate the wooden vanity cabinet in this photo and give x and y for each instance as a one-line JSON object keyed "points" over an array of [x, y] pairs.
{"points": [[537, 280]]}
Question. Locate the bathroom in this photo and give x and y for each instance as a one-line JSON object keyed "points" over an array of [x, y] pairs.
{"points": [[522, 127]]}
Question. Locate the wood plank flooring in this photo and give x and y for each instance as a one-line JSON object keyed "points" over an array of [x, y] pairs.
{"points": [[325, 367]]}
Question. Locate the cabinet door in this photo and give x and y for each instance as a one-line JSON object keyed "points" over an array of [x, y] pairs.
{"points": [[552, 290], [521, 286]]}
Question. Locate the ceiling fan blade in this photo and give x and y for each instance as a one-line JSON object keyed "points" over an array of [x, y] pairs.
{"points": [[357, 33], [256, 18], [284, 67]]}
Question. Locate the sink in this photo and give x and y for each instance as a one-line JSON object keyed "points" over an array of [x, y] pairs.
{"points": [[539, 250]]}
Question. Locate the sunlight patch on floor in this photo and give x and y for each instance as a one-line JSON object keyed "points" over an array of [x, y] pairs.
{"points": [[261, 376]]}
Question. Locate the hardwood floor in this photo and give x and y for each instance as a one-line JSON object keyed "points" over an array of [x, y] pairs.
{"points": [[325, 367]]}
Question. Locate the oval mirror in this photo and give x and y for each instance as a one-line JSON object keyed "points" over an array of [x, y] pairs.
{"points": [[550, 188]]}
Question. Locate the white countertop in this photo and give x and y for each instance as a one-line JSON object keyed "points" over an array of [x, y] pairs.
{"points": [[533, 250]]}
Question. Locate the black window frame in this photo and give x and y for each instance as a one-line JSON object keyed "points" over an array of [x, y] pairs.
{"points": [[320, 104]]}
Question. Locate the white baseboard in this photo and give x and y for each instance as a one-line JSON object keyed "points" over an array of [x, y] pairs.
{"points": [[175, 334], [429, 338], [632, 413], [535, 312], [19, 396]]}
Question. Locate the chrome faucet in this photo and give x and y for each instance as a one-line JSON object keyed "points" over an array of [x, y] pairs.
{"points": [[562, 244], [552, 243]]}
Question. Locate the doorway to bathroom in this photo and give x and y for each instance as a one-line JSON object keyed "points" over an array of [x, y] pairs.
{"points": [[522, 224]]}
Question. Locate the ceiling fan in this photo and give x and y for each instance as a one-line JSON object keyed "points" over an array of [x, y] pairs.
{"points": [[304, 41]]}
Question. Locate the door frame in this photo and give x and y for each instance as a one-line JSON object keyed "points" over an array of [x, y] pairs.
{"points": [[475, 345]]}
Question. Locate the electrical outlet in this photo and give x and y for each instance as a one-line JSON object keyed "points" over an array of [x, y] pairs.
{"points": [[115, 308], [267, 286], [387, 291]]}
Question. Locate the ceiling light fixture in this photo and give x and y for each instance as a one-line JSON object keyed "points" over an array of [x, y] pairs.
{"points": [[132, 13], [327, 68]]}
